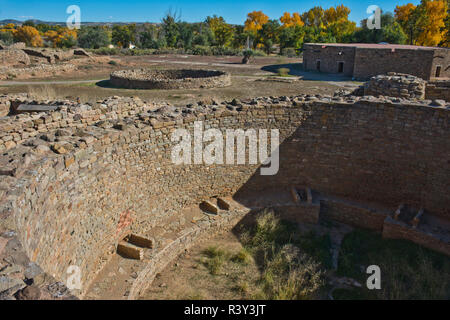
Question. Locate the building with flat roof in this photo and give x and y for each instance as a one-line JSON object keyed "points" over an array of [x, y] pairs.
{"points": [[364, 60]]}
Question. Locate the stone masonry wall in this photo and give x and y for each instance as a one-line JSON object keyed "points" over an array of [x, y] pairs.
{"points": [[169, 79], [438, 89], [353, 215], [69, 184], [441, 60], [393, 229], [329, 57], [371, 62], [396, 85]]}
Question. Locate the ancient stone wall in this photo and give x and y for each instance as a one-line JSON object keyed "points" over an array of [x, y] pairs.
{"points": [[396, 85], [363, 61], [393, 229], [169, 79], [353, 214], [13, 57], [438, 89], [327, 58], [371, 62], [440, 67], [81, 172]]}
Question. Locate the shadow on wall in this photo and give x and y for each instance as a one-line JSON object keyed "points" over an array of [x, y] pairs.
{"points": [[296, 69], [370, 156]]}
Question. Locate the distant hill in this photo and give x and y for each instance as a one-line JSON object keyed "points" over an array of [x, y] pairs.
{"points": [[36, 21]]}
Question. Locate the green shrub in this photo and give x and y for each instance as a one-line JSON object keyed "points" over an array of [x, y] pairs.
{"points": [[216, 259], [259, 53], [6, 38], [105, 51], [289, 52], [137, 52], [408, 271], [202, 50], [283, 72], [290, 275], [223, 51], [242, 257]]}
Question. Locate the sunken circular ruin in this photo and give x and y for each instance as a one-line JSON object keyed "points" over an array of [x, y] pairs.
{"points": [[78, 180], [169, 79]]}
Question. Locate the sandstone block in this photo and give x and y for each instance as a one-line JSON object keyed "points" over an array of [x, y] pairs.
{"points": [[130, 251], [209, 207], [223, 204]]}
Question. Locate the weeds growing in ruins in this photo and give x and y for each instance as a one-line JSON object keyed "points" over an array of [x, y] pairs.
{"points": [[276, 259], [408, 271], [215, 259], [283, 72], [287, 271], [243, 257], [44, 92]]}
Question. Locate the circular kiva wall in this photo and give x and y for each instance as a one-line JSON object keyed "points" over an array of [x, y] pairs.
{"points": [[169, 79], [72, 206]]}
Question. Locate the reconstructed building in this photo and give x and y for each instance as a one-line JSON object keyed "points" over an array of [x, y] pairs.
{"points": [[364, 60]]}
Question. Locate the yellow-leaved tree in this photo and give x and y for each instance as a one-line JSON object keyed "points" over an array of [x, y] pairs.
{"points": [[61, 37], [423, 24], [255, 21], [10, 27], [29, 35], [291, 21], [222, 31], [314, 17], [433, 33], [336, 22]]}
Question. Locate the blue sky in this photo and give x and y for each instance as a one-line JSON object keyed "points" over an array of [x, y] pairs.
{"points": [[233, 11]]}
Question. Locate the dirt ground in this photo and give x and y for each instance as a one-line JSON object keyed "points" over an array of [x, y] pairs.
{"points": [[90, 81], [187, 277]]}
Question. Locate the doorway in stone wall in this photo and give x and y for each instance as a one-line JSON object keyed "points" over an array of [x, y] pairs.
{"points": [[318, 65], [438, 71], [340, 67]]}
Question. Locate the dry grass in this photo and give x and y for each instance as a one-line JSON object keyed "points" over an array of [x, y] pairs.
{"points": [[408, 271], [215, 259], [243, 257], [287, 273], [44, 92], [283, 72]]}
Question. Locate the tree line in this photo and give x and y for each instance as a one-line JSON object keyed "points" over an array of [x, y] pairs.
{"points": [[426, 24]]}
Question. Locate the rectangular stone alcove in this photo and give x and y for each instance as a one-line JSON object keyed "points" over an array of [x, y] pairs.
{"points": [[304, 208], [132, 246]]}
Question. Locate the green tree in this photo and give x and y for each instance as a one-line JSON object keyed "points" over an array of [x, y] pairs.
{"points": [[292, 37], [29, 23], [269, 34], [186, 35], [43, 28], [6, 38], [240, 37], [123, 36], [424, 24], [68, 42], [222, 31], [390, 32], [394, 34], [446, 39], [318, 34], [170, 29], [151, 38], [93, 37], [223, 35]]}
